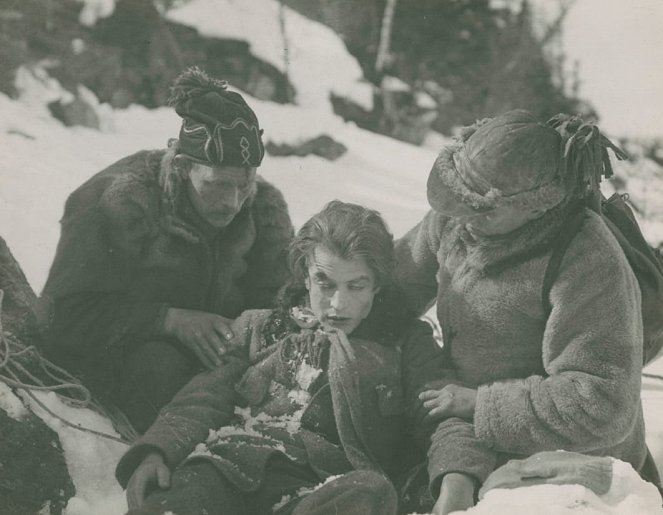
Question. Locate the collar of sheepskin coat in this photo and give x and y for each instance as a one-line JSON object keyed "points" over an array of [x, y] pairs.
{"points": [[491, 254]]}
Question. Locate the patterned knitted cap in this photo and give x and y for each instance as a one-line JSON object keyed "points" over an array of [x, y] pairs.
{"points": [[218, 126]]}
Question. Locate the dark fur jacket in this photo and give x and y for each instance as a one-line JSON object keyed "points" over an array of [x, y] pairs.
{"points": [[131, 246]]}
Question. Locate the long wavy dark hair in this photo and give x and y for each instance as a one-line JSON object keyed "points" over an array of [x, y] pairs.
{"points": [[350, 231]]}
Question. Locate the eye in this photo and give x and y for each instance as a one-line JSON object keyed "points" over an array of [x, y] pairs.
{"points": [[325, 285], [357, 287]]}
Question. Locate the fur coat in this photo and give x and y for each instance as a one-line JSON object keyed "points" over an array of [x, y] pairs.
{"points": [[132, 245], [570, 380]]}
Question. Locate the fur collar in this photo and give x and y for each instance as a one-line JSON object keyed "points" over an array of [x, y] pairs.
{"points": [[445, 169], [491, 254]]}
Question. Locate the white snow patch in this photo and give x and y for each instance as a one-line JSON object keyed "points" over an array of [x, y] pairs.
{"points": [[424, 100], [36, 88], [391, 83], [94, 10], [318, 62], [628, 495], [11, 403], [91, 460], [306, 374]]}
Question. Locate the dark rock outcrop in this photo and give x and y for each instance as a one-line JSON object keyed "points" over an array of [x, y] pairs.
{"points": [[33, 472], [323, 146]]}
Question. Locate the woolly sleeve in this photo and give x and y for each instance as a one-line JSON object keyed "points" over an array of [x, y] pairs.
{"points": [[592, 355], [451, 445], [267, 259], [206, 402], [416, 262], [455, 448]]}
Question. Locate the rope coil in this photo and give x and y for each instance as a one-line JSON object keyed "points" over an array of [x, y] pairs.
{"points": [[13, 372]]}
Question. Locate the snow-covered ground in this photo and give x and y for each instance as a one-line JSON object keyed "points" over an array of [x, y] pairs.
{"points": [[43, 161]]}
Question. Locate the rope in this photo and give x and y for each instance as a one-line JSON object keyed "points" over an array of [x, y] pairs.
{"points": [[16, 375]]}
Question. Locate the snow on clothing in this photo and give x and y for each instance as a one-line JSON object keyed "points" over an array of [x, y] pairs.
{"points": [[570, 381], [351, 416], [132, 246]]}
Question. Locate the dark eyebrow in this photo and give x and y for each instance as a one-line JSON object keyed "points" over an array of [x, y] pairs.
{"points": [[360, 278], [319, 274]]}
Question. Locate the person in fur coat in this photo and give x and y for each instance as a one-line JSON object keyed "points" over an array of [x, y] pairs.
{"points": [[521, 379], [161, 250], [307, 415]]}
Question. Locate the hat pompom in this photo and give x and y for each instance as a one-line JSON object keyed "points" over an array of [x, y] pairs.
{"points": [[194, 82], [465, 132]]}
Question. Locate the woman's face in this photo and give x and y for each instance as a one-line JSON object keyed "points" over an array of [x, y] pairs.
{"points": [[341, 291], [501, 220]]}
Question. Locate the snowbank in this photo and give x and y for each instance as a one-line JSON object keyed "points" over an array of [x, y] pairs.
{"points": [[628, 495], [43, 161], [313, 55]]}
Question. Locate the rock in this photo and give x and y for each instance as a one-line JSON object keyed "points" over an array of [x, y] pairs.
{"points": [[76, 112], [351, 111], [323, 146], [407, 115], [22, 314], [33, 472]]}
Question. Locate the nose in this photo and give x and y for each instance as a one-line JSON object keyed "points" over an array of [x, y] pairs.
{"points": [[229, 197], [337, 300]]}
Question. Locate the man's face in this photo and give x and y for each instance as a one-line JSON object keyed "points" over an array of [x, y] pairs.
{"points": [[341, 291], [218, 193]]}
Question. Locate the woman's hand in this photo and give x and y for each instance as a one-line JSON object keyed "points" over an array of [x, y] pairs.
{"points": [[456, 494], [451, 401], [151, 472]]}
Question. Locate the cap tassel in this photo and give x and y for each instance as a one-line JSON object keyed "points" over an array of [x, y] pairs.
{"points": [[586, 155]]}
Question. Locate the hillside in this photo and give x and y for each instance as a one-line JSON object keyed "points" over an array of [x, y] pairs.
{"points": [[44, 160]]}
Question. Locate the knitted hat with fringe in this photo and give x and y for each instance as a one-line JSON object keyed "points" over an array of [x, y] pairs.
{"points": [[515, 160], [218, 127]]}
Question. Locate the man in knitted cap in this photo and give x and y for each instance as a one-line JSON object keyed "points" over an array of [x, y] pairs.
{"points": [[161, 249], [522, 378]]}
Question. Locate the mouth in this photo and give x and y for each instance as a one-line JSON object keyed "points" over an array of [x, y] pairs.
{"points": [[221, 216], [335, 320]]}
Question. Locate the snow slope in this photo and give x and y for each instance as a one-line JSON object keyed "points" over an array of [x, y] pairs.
{"points": [[44, 161]]}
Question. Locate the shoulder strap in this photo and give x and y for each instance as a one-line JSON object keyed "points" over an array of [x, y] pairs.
{"points": [[560, 244]]}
